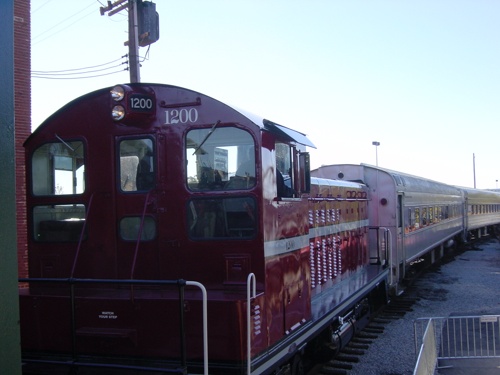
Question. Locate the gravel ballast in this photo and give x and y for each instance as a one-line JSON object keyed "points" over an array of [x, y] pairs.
{"points": [[465, 286]]}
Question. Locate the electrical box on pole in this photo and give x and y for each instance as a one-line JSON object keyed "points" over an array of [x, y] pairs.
{"points": [[143, 28], [149, 23]]}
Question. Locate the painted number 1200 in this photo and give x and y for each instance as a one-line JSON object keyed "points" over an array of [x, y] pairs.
{"points": [[182, 116]]}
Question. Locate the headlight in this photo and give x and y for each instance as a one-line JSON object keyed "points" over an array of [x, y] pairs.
{"points": [[118, 112], [117, 93]]}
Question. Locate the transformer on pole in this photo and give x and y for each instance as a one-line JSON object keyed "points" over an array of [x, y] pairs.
{"points": [[143, 29]]}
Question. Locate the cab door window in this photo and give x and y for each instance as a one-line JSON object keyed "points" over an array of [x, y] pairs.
{"points": [[137, 164]]}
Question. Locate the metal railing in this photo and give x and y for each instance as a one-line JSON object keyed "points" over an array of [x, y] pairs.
{"points": [[427, 355], [449, 340], [180, 283]]}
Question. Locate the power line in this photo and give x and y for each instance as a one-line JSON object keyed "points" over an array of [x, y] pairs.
{"points": [[40, 7], [76, 69], [34, 40], [76, 73], [81, 73], [93, 76]]}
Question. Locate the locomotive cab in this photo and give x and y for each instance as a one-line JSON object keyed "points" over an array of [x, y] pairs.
{"points": [[154, 183]]}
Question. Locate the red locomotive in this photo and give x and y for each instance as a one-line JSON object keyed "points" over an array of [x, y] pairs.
{"points": [[172, 232]]}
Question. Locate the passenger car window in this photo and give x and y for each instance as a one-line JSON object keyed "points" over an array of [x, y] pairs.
{"points": [[58, 169], [137, 165], [220, 158], [424, 216]]}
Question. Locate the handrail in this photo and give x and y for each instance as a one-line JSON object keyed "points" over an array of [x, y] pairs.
{"points": [[251, 283], [180, 283], [205, 324], [389, 250], [82, 233], [139, 235]]}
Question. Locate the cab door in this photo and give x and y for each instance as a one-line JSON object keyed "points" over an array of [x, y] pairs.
{"points": [[136, 208], [292, 223]]}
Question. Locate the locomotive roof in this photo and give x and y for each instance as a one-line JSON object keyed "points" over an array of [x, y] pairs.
{"points": [[276, 128], [261, 122]]}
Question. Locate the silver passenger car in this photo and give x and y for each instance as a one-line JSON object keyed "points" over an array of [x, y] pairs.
{"points": [[483, 211], [417, 215]]}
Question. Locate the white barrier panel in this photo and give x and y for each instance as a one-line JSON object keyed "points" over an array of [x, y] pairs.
{"points": [[456, 339]]}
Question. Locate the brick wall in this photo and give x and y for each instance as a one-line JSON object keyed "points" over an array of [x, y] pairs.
{"points": [[22, 109]]}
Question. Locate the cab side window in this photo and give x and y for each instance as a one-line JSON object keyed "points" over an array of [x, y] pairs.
{"points": [[284, 170]]}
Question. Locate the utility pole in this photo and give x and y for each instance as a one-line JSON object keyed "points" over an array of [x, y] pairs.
{"points": [[376, 144], [133, 33], [474, 168], [133, 42], [143, 29]]}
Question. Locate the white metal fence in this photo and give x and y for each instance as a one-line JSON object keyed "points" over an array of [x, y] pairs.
{"points": [[447, 342]]}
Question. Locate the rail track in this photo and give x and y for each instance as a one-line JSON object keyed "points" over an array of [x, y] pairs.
{"points": [[343, 362]]}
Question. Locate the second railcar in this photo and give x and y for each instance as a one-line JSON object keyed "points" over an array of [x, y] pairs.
{"points": [[420, 214]]}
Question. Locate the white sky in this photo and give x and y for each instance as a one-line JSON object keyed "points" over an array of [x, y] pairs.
{"points": [[422, 77]]}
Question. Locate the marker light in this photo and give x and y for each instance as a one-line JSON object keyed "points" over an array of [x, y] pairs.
{"points": [[118, 112], [117, 93]]}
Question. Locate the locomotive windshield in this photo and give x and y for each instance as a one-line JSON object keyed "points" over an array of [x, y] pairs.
{"points": [[220, 159], [58, 169]]}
